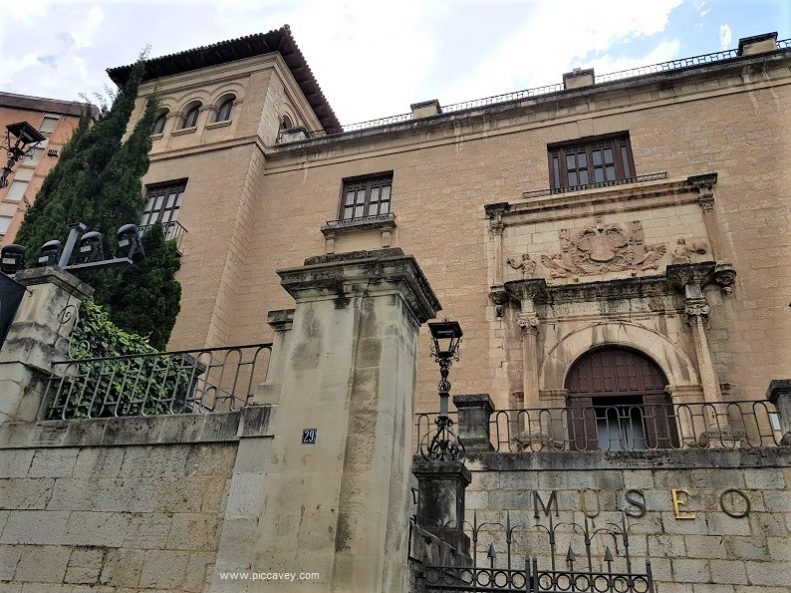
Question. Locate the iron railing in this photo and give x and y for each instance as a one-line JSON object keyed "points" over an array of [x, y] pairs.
{"points": [[174, 231], [564, 190], [546, 90], [184, 382], [535, 559], [634, 427]]}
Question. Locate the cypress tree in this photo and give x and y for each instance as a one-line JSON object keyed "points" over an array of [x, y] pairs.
{"points": [[97, 181]]}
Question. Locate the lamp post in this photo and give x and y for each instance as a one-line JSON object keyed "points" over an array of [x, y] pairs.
{"points": [[446, 337], [26, 137]]}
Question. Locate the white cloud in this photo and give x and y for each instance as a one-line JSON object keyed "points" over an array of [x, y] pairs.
{"points": [[561, 36], [700, 6], [726, 37]]}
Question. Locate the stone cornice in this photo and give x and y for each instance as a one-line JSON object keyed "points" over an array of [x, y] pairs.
{"points": [[483, 123], [606, 200], [622, 288], [360, 273], [57, 276]]}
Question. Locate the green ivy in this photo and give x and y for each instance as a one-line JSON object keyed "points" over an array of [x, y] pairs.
{"points": [[127, 386]]}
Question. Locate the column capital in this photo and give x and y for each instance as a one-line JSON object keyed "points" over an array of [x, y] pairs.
{"points": [[527, 289], [778, 388], [682, 275], [281, 320], [359, 274], [56, 276]]}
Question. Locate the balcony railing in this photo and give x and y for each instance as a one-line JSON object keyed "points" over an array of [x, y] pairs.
{"points": [[546, 90], [615, 182], [184, 382], [174, 231], [637, 427]]}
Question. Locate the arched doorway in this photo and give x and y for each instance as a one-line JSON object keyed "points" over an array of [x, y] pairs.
{"points": [[617, 401]]}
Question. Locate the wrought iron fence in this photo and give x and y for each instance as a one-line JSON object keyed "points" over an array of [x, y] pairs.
{"points": [[546, 90], [564, 190], [184, 382], [634, 427], [588, 568], [174, 231], [426, 428]]}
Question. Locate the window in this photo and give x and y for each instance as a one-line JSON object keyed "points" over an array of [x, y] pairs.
{"points": [[5, 222], [595, 162], [164, 202], [366, 196], [225, 109], [159, 123], [286, 124], [17, 191], [191, 117], [48, 124]]}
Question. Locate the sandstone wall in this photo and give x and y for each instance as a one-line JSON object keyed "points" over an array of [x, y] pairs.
{"points": [[713, 552]]}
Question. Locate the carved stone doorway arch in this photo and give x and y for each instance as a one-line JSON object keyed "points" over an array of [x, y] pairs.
{"points": [[617, 400]]}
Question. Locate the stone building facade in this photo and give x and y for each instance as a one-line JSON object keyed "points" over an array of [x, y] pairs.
{"points": [[56, 120], [669, 242], [614, 248]]}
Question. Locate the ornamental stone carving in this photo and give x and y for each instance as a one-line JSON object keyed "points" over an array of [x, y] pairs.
{"points": [[602, 248], [527, 265], [683, 251]]}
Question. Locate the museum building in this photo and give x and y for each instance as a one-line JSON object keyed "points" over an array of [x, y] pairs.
{"points": [[615, 249]]}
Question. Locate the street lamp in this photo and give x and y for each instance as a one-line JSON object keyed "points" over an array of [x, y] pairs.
{"points": [[26, 137], [446, 338]]}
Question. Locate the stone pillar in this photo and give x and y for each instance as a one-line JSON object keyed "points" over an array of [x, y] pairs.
{"points": [[338, 505], [38, 336], [474, 413], [526, 291], [779, 393], [281, 322], [705, 186], [496, 227], [440, 503]]}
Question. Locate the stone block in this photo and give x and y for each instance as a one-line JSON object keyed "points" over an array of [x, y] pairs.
{"points": [[691, 571], [216, 459], [25, 493], [15, 463], [89, 528], [122, 567], [705, 546], [245, 497], [199, 573], [770, 574], [164, 569], [53, 463], [9, 558], [666, 546], [96, 462], [85, 566], [154, 462], [728, 571], [747, 548], [194, 532], [42, 564], [147, 531], [34, 527], [711, 588]]}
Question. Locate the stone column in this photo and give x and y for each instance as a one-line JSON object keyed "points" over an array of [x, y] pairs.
{"points": [[526, 291], [705, 186], [779, 393], [440, 506], [496, 227], [38, 336], [339, 504], [474, 413], [281, 322]]}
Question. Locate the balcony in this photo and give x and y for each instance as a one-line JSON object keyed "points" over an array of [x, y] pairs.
{"points": [[174, 231]]}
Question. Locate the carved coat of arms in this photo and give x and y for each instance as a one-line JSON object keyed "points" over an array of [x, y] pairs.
{"points": [[602, 248]]}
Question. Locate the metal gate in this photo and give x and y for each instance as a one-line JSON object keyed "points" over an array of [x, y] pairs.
{"points": [[555, 572]]}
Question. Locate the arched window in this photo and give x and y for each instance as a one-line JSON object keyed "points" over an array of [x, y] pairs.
{"points": [[286, 124], [191, 117], [225, 109], [159, 123], [617, 401]]}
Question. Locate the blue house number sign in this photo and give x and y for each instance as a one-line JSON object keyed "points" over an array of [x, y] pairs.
{"points": [[308, 436]]}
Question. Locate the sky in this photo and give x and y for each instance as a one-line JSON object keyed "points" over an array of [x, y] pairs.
{"points": [[372, 58]]}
